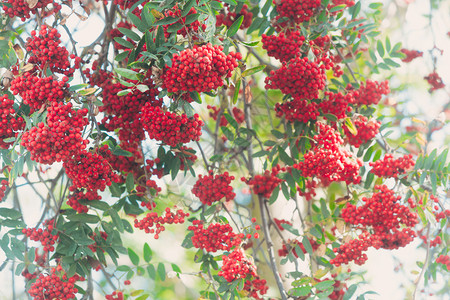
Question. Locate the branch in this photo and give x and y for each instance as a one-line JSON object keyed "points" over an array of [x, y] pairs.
{"points": [[425, 264]]}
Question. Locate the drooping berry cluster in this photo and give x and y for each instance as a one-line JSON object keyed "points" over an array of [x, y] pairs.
{"points": [[390, 167], [36, 91], [44, 236], [230, 17], [3, 186], [337, 104], [264, 185], [214, 238], [236, 266], [45, 50], [298, 11], [10, 123], [212, 188], [191, 29], [61, 138], [284, 46], [445, 260], [435, 81], [371, 92], [24, 9], [383, 215], [256, 287], [366, 131], [299, 77], [116, 295], [328, 161], [89, 170], [170, 128], [410, 55], [74, 199], [298, 110], [153, 220], [54, 286], [200, 69]]}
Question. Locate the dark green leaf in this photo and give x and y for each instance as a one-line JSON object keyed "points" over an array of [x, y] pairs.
{"points": [[187, 7], [10, 213], [124, 43], [130, 33], [235, 26], [147, 253], [252, 71], [117, 221], [85, 218], [130, 182]]}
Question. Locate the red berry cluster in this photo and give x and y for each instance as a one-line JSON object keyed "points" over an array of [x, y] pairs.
{"points": [[238, 115], [298, 110], [37, 91], [445, 260], [390, 167], [44, 236], [256, 287], [200, 69], [264, 185], [410, 55], [170, 128], [328, 161], [309, 191], [337, 104], [352, 251], [236, 266], [299, 77], [61, 138], [45, 50], [230, 17], [116, 295], [4, 185], [298, 11], [212, 188], [383, 215], [22, 9], [54, 286], [284, 46], [214, 238], [371, 92], [90, 171], [366, 131], [191, 29], [334, 3], [435, 81], [74, 199], [440, 214], [291, 247], [153, 220], [10, 124]]}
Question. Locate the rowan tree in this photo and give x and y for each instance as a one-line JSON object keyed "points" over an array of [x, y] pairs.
{"points": [[187, 125]]}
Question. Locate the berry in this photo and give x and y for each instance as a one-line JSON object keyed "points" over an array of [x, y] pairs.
{"points": [[390, 167], [153, 220], [298, 11], [229, 17], [212, 188], [236, 266], [284, 46], [215, 237], [366, 131], [10, 123]]}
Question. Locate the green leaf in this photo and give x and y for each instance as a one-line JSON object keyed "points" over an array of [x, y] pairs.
{"points": [[235, 26], [130, 182], [124, 43], [231, 121], [324, 209], [191, 19], [151, 271], [338, 8], [236, 91], [323, 285], [252, 71], [285, 157], [161, 271], [133, 257], [147, 253], [307, 245], [433, 179], [166, 21], [85, 218], [187, 7], [351, 290], [127, 73], [130, 33], [230, 2], [227, 132], [120, 152], [10, 213], [117, 221]]}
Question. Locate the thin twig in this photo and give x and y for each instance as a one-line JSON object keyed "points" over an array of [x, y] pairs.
{"points": [[425, 264]]}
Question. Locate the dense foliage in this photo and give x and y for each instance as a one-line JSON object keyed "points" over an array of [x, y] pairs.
{"points": [[254, 134]]}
